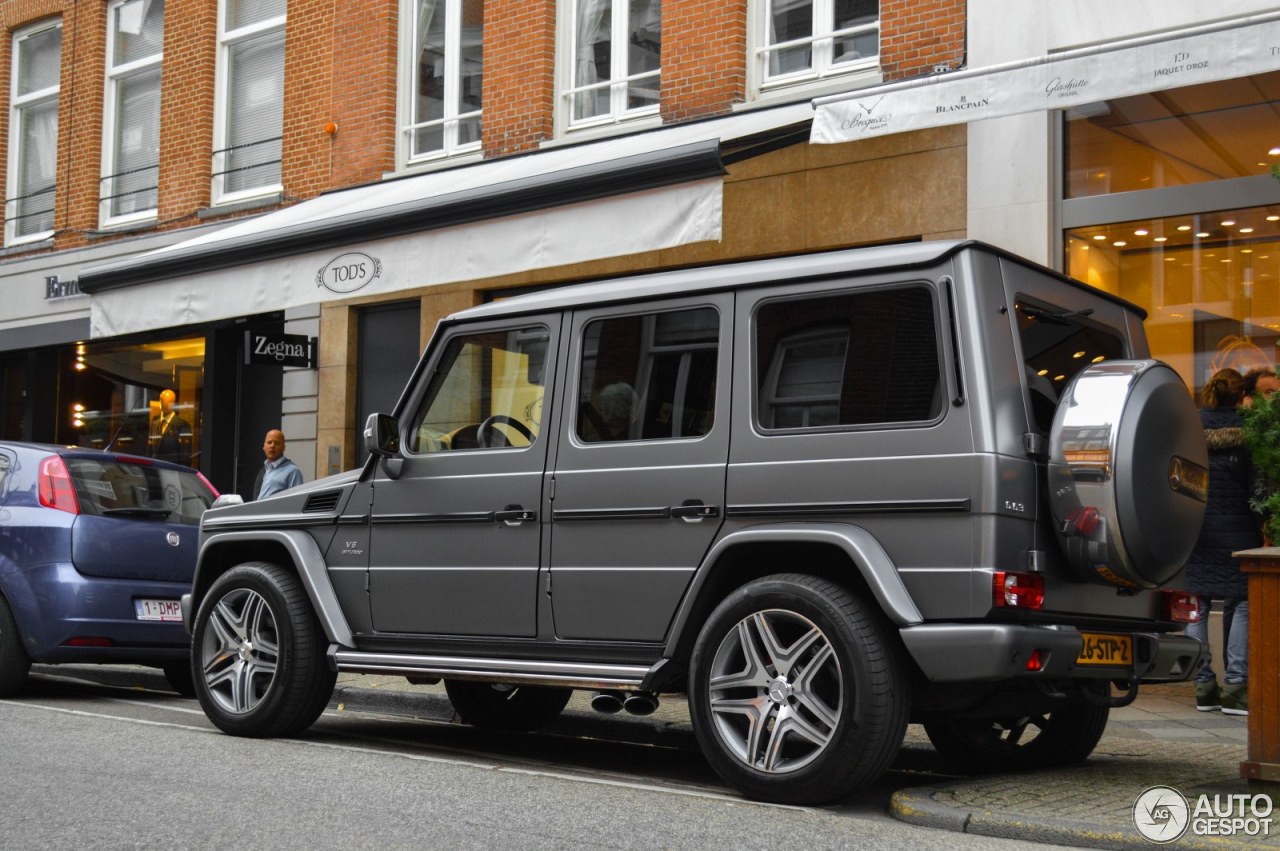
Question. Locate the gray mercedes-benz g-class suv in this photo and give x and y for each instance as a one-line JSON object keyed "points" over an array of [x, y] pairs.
{"points": [[822, 496]]}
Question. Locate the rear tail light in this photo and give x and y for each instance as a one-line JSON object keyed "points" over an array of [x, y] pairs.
{"points": [[56, 490], [1084, 521], [1181, 607], [1017, 590]]}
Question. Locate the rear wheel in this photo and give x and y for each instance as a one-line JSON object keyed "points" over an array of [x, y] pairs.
{"points": [[180, 678], [496, 706], [797, 693], [258, 654], [1062, 736], [14, 661]]}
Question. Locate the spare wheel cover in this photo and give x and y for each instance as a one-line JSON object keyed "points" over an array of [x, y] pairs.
{"points": [[1128, 473]]}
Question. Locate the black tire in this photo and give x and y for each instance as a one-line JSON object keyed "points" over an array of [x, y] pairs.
{"points": [[14, 661], [830, 692], [180, 677], [258, 654], [1062, 736], [495, 706]]}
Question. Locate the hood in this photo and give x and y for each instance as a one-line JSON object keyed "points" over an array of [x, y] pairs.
{"points": [[326, 496]]}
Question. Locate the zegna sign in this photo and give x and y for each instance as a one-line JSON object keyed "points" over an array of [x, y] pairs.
{"points": [[279, 349], [1060, 81]]}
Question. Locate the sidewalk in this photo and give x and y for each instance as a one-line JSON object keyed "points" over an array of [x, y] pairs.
{"points": [[1159, 740]]}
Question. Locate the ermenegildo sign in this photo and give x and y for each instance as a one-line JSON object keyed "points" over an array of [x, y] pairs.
{"points": [[279, 349], [1058, 81]]}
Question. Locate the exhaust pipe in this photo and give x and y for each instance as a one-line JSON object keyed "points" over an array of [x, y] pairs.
{"points": [[641, 703], [607, 702]]}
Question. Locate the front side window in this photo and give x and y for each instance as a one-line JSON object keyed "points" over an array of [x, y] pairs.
{"points": [[249, 120], [444, 41], [131, 115], [849, 359], [648, 377], [802, 40], [485, 393], [614, 59], [33, 132]]}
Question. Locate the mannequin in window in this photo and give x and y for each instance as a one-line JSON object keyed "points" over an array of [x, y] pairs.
{"points": [[170, 438]]}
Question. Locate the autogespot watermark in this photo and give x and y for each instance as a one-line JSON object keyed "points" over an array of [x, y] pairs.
{"points": [[1163, 814]]}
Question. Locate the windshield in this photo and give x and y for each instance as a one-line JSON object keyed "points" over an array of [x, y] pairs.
{"points": [[1056, 345], [116, 486]]}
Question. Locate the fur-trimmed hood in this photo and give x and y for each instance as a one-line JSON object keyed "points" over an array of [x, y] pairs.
{"points": [[1223, 429]]}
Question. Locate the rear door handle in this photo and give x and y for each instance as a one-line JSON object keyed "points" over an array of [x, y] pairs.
{"points": [[694, 511], [513, 515]]}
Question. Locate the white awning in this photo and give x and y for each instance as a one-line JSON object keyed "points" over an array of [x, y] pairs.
{"points": [[1203, 54], [559, 206]]}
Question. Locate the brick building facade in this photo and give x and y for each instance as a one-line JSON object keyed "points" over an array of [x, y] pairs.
{"points": [[353, 76]]}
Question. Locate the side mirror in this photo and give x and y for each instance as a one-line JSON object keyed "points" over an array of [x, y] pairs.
{"points": [[382, 435], [382, 441], [228, 499]]}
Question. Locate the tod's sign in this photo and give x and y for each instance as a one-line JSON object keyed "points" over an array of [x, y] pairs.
{"points": [[279, 349]]}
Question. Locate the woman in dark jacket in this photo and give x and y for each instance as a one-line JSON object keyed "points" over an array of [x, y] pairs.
{"points": [[1229, 525]]}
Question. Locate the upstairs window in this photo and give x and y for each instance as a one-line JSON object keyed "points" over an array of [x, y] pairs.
{"points": [[33, 132], [131, 115], [444, 46], [804, 40], [614, 60], [249, 120]]}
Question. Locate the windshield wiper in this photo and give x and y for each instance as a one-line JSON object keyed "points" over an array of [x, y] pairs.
{"points": [[1057, 317], [139, 511]]}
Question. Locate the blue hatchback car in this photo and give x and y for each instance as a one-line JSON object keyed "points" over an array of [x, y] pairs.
{"points": [[96, 548]]}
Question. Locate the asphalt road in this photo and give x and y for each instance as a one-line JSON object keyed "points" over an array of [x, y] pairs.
{"points": [[85, 763]]}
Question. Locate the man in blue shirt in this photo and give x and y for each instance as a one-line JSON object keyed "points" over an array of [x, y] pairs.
{"points": [[278, 472]]}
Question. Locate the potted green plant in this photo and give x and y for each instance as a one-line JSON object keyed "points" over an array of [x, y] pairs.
{"points": [[1262, 431]]}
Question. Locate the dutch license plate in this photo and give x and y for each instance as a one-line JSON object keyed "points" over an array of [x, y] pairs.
{"points": [[158, 610], [1104, 649]]}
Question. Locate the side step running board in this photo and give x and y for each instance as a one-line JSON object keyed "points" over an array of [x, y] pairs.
{"points": [[535, 672]]}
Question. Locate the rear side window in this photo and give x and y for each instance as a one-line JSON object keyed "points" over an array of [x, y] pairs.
{"points": [[117, 487], [649, 376], [1057, 344], [849, 359]]}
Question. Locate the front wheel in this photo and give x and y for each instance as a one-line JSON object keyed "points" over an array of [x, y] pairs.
{"points": [[797, 693], [1064, 735], [496, 706], [258, 654]]}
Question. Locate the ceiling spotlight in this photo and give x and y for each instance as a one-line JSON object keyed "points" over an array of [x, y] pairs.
{"points": [[1119, 243], [1161, 239], [1141, 232]]}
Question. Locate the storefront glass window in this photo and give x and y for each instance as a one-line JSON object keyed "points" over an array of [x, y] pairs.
{"points": [[1177, 137], [143, 398], [1208, 272]]}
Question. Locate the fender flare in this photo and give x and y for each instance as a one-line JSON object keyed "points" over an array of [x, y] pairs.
{"points": [[310, 565], [862, 548]]}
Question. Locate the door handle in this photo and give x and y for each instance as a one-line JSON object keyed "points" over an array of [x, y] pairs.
{"points": [[513, 515], [692, 511]]}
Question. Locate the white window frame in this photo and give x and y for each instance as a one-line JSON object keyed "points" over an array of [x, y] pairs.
{"points": [[18, 103], [227, 39], [114, 77], [407, 87], [823, 38], [618, 46]]}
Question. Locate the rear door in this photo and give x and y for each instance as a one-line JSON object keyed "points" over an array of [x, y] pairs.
{"points": [[640, 467], [137, 520]]}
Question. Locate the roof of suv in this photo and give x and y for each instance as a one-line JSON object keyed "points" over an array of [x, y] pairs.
{"points": [[749, 273]]}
